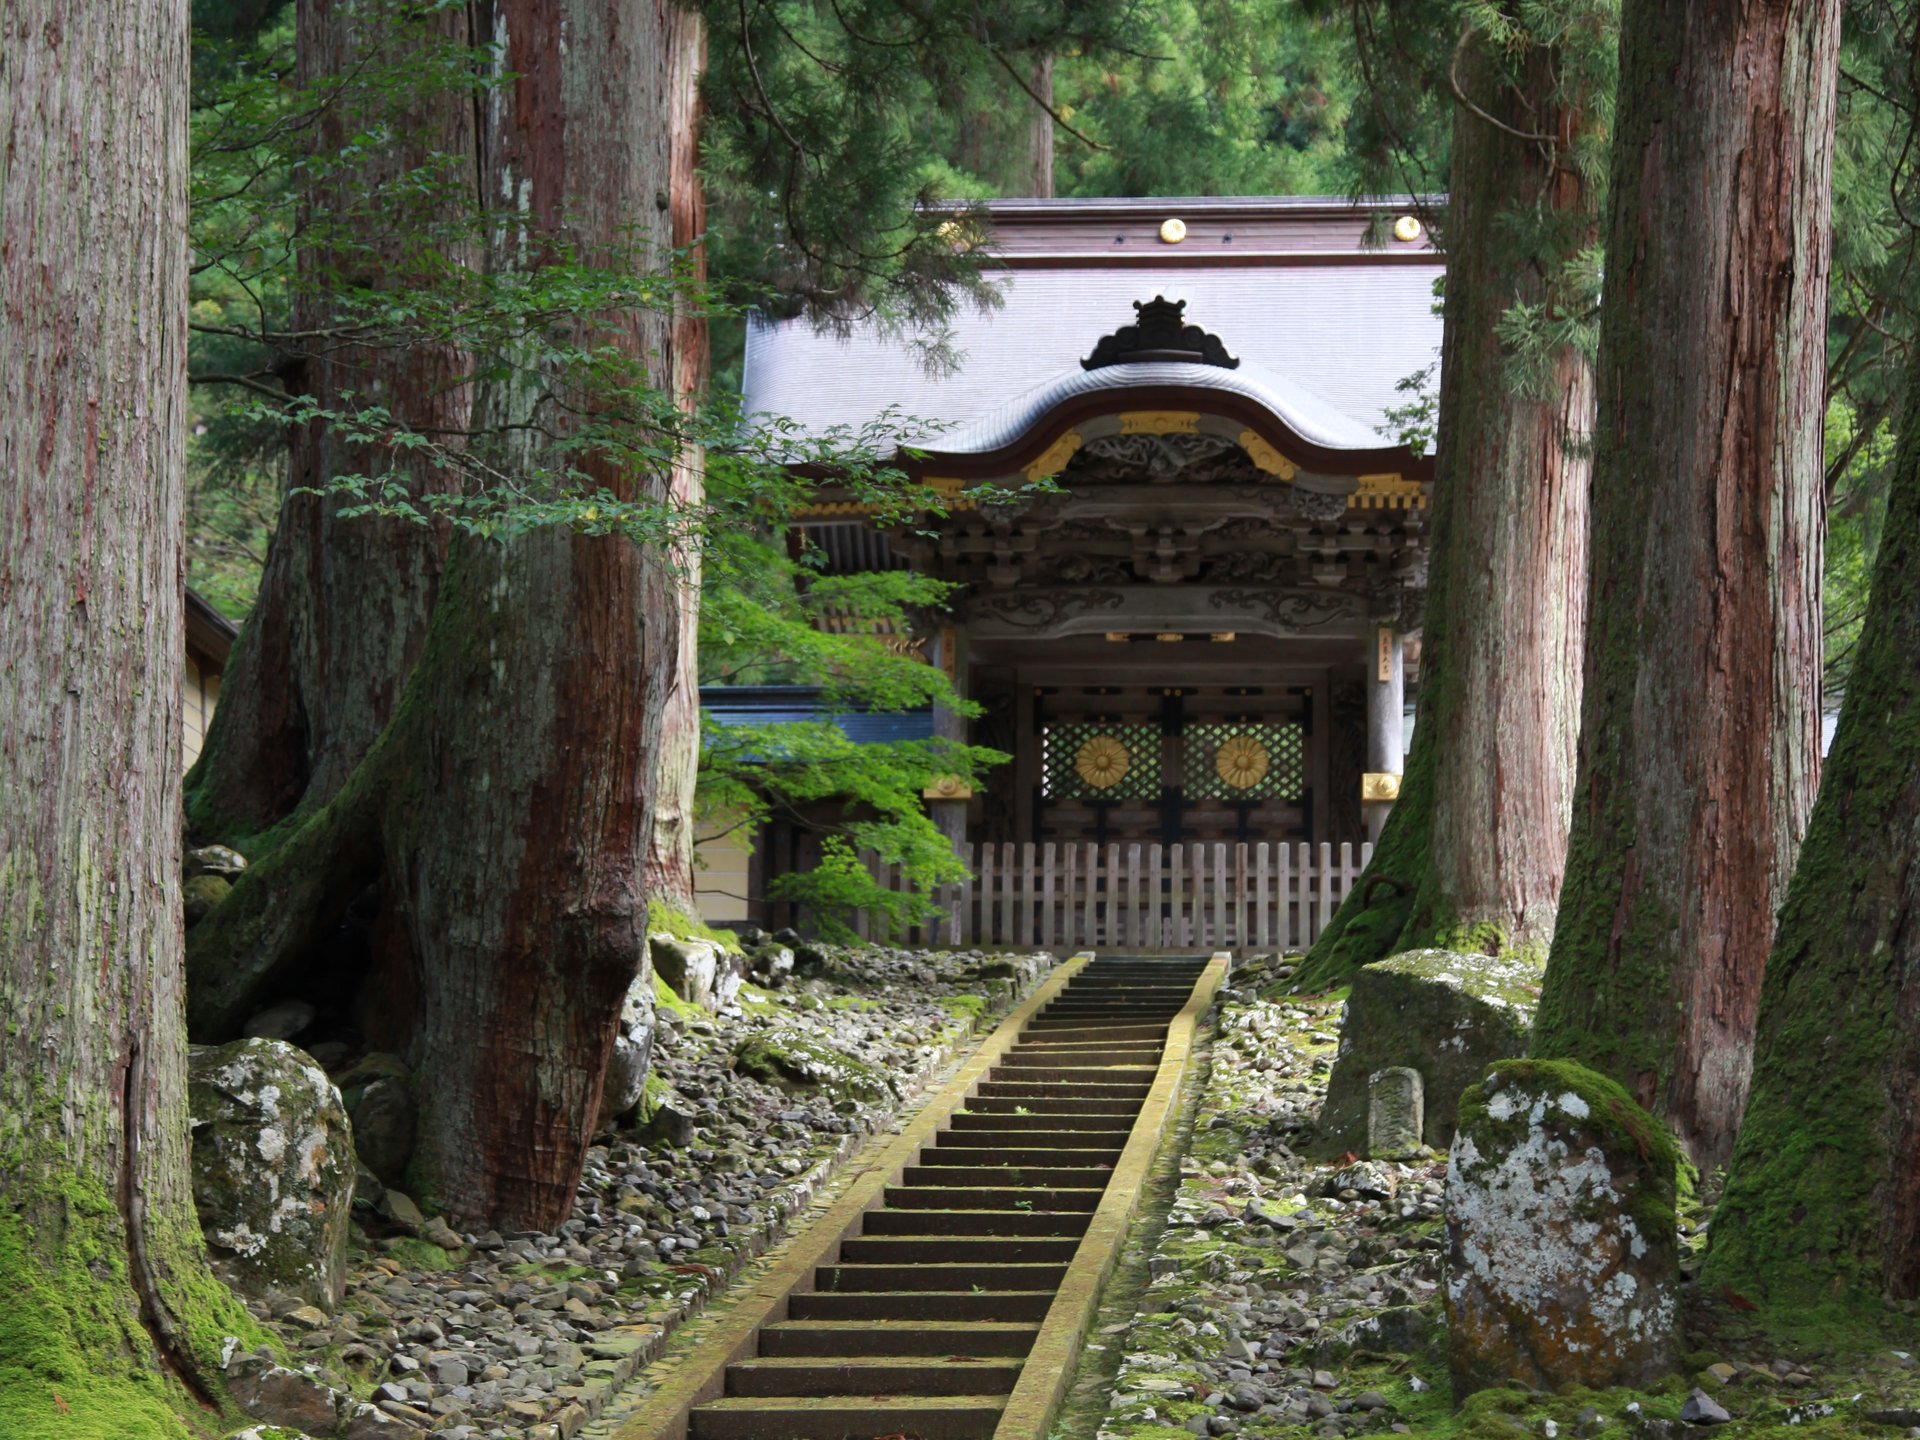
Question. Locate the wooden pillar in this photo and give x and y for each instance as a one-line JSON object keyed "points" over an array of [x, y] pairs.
{"points": [[1386, 703]]}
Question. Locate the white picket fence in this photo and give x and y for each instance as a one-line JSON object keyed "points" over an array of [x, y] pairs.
{"points": [[1142, 897]]}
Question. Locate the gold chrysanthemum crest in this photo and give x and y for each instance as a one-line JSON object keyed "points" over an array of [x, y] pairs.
{"points": [[1242, 762], [1102, 762]]}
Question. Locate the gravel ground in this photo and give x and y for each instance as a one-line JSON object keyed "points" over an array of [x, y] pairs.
{"points": [[528, 1334], [1298, 1294]]}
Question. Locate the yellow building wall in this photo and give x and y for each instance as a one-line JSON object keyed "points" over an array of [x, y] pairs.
{"points": [[721, 875], [198, 695]]}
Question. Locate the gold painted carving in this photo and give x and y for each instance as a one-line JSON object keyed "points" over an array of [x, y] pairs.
{"points": [[1387, 492], [1173, 230], [948, 787], [1265, 457], [1241, 761], [1102, 762], [1054, 458], [1159, 422], [1375, 785]]}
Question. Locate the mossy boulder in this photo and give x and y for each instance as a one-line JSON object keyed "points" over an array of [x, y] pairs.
{"points": [[272, 1168], [632, 1053], [200, 894], [1445, 1014], [798, 1062], [701, 972], [1562, 1241]]}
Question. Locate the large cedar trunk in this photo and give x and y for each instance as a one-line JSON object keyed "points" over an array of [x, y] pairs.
{"points": [[1700, 725], [1821, 1199], [1472, 854], [344, 603], [670, 861], [507, 808], [106, 1298]]}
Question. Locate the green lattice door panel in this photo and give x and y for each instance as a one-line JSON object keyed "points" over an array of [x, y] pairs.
{"points": [[1244, 760], [1091, 760]]}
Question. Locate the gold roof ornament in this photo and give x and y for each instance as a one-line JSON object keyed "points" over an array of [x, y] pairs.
{"points": [[1242, 762], [1407, 229], [1102, 762], [1173, 230]]}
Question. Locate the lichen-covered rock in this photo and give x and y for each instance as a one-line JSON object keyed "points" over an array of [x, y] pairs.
{"points": [[1445, 1014], [795, 1061], [700, 972], [214, 860], [1562, 1245], [272, 1168]]}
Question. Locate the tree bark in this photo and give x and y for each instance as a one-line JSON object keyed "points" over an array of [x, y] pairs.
{"points": [[507, 807], [344, 603], [1821, 1202], [670, 877], [1040, 130], [1472, 854], [108, 1305], [1700, 724]]}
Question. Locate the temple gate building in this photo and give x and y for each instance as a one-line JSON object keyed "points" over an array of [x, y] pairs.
{"points": [[1203, 635]]}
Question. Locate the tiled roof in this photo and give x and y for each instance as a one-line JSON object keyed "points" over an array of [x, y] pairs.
{"points": [[1325, 327]]}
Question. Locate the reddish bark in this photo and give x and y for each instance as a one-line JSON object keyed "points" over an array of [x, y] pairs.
{"points": [[1477, 843], [344, 603], [508, 806], [1700, 725]]}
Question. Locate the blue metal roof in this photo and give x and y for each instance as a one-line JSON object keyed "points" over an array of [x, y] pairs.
{"points": [[788, 704]]}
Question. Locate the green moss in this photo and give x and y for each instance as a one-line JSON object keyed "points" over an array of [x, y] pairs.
{"points": [[665, 999], [860, 1003], [663, 919], [75, 1361], [795, 1061], [422, 1254], [967, 1008]]}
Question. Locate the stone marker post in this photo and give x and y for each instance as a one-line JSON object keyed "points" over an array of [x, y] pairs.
{"points": [[1396, 1112]]}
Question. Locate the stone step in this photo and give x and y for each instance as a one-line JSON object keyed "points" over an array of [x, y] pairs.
{"points": [[989, 1197], [851, 1279], [1077, 1177], [933, 1221], [896, 1337], [1057, 1105], [859, 1417], [873, 1375], [960, 1305], [1052, 1150], [957, 1249], [1080, 1121]]}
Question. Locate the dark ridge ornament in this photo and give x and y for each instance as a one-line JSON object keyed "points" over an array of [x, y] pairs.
{"points": [[1160, 333]]}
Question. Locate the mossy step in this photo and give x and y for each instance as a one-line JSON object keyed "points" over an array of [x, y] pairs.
{"points": [[923, 1275], [1134, 1052], [957, 1249], [975, 1222], [990, 1197], [872, 1375], [956, 1305], [896, 1337]]}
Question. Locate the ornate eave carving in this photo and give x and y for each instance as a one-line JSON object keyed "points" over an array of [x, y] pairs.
{"points": [[1160, 333]]}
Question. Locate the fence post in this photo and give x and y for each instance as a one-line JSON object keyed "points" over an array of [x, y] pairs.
{"points": [[1069, 912], [1241, 939], [1326, 889], [1263, 897], [1197, 863], [1176, 898], [1156, 902]]}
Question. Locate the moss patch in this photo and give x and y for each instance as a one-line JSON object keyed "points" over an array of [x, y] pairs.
{"points": [[793, 1061]]}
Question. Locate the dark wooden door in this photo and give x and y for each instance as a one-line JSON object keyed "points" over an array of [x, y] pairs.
{"points": [[1170, 765]]}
